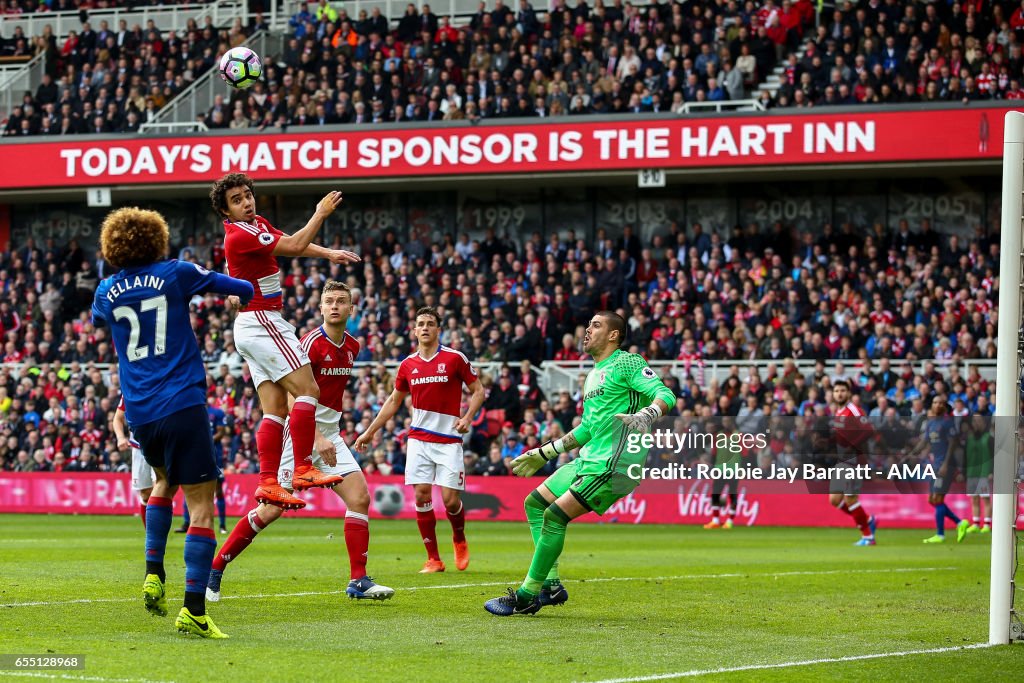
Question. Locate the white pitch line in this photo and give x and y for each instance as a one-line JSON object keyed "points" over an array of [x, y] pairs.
{"points": [[786, 665], [73, 677], [75, 543], [452, 586]]}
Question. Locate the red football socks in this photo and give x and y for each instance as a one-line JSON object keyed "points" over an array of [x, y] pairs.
{"points": [[458, 521], [241, 536], [302, 424], [270, 443], [860, 518], [357, 540], [428, 523]]}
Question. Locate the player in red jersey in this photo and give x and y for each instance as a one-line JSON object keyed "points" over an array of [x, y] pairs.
{"points": [[434, 375], [852, 431], [331, 353], [265, 339]]}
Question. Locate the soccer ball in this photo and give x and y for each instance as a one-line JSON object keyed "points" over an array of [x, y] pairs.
{"points": [[388, 500], [240, 67]]}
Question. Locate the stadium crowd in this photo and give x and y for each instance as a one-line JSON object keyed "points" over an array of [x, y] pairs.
{"points": [[335, 68], [15, 7], [906, 52], [519, 61], [104, 78], [861, 305], [523, 61]]}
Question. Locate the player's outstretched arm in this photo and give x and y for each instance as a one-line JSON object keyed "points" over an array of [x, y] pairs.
{"points": [[295, 245], [387, 411], [332, 255], [527, 464], [225, 284], [476, 400], [198, 280]]}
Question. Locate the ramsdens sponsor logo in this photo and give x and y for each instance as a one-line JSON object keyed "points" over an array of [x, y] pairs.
{"points": [[429, 380], [334, 372], [592, 394]]}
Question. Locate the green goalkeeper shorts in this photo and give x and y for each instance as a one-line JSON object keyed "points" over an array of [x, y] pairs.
{"points": [[596, 492]]}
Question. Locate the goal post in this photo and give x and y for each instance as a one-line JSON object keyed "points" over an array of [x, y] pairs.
{"points": [[1008, 386]]}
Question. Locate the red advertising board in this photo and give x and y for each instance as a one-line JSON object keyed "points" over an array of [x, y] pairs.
{"points": [[486, 498], [571, 145]]}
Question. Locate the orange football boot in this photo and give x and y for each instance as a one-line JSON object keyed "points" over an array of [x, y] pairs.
{"points": [[432, 567], [461, 555], [275, 494], [309, 477]]}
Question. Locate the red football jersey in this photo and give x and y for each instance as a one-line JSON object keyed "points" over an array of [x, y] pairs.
{"points": [[249, 249], [332, 368], [436, 388], [851, 426]]}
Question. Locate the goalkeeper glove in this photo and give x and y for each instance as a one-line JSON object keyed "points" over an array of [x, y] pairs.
{"points": [[640, 421], [532, 460]]}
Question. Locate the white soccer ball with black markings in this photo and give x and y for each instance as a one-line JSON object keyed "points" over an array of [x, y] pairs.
{"points": [[388, 500], [240, 67]]}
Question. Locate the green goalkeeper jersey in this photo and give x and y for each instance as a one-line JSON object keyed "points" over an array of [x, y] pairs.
{"points": [[980, 454], [621, 383], [724, 455]]}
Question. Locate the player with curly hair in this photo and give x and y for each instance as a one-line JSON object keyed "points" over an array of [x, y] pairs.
{"points": [[163, 381], [267, 341]]}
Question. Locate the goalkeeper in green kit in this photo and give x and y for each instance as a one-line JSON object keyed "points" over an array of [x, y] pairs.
{"points": [[621, 396]]}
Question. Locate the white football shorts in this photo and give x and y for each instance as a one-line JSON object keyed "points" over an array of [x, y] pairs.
{"points": [[142, 471], [978, 486], [435, 463], [268, 344]]}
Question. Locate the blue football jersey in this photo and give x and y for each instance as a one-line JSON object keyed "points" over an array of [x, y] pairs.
{"points": [[217, 416], [939, 432], [147, 310], [217, 419]]}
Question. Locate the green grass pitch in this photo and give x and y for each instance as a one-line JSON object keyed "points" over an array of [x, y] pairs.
{"points": [[645, 602]]}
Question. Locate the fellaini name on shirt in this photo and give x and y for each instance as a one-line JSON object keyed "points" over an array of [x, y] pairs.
{"points": [[130, 283]]}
